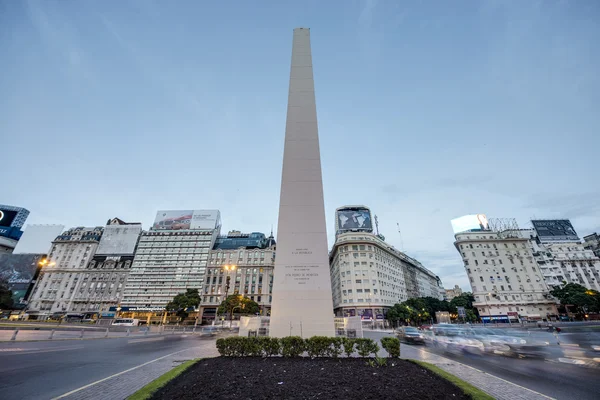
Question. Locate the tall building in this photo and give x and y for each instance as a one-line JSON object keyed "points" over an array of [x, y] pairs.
{"points": [[171, 257], [504, 276], [239, 264], [369, 276], [69, 255], [592, 242], [11, 220], [561, 256], [302, 303], [102, 282]]}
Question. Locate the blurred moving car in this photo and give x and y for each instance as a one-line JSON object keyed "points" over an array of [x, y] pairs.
{"points": [[410, 334]]}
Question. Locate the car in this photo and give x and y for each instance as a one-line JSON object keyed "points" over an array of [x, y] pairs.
{"points": [[410, 334]]}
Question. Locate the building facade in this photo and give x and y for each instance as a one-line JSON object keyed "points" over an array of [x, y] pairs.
{"points": [[102, 282], [11, 220], [504, 276], [55, 288], [452, 293], [170, 258], [369, 276], [240, 264], [592, 242]]}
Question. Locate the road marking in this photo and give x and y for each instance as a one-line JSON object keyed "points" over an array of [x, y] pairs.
{"points": [[497, 377], [146, 340], [21, 351], [117, 374]]}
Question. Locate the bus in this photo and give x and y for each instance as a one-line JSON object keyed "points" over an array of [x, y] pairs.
{"points": [[126, 322]]}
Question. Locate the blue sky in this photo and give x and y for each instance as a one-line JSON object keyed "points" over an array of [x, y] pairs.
{"points": [[427, 111]]}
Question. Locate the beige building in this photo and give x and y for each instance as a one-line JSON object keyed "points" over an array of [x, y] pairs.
{"points": [[504, 276], [239, 264], [368, 276], [452, 293]]}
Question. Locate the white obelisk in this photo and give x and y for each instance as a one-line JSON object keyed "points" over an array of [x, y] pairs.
{"points": [[302, 303]]}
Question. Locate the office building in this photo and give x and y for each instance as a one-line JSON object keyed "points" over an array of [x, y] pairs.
{"points": [[171, 257], [240, 264], [452, 293], [369, 276], [59, 277], [504, 276]]}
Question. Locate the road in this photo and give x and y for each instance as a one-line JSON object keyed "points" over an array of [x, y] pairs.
{"points": [[547, 376], [47, 369]]}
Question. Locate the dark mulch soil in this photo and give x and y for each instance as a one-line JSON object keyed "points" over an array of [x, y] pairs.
{"points": [[303, 378]]}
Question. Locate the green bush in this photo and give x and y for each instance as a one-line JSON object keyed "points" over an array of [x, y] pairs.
{"points": [[223, 347], [253, 347], [335, 350], [348, 344], [270, 346], [391, 345], [318, 346], [365, 347], [292, 346]]}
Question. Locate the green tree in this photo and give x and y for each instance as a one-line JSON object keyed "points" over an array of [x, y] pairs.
{"points": [[586, 300], [184, 302], [239, 303], [6, 301]]}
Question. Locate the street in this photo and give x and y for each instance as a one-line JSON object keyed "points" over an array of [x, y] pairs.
{"points": [[47, 369], [547, 376]]}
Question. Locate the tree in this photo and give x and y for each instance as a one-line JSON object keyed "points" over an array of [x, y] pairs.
{"points": [[579, 296], [239, 303], [184, 302], [6, 301]]}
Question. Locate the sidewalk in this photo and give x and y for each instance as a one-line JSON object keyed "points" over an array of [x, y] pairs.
{"points": [[494, 386], [125, 383]]}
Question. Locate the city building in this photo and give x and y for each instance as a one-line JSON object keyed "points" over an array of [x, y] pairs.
{"points": [[59, 277], [239, 264], [561, 256], [504, 276], [369, 276], [592, 242], [102, 282], [21, 268], [11, 220], [452, 293], [171, 257]]}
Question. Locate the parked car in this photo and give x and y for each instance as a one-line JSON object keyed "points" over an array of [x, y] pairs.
{"points": [[410, 334]]}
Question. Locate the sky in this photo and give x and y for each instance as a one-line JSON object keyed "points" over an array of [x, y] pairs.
{"points": [[427, 111]]}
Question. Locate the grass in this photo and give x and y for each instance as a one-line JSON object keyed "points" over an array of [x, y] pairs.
{"points": [[147, 391], [476, 394]]}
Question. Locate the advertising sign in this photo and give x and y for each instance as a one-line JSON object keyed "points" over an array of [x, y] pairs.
{"points": [[367, 314], [186, 219], [18, 270], [461, 312], [119, 239], [356, 219], [7, 217], [470, 222], [555, 230]]}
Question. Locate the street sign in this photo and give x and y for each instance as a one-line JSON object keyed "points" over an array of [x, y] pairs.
{"points": [[461, 312]]}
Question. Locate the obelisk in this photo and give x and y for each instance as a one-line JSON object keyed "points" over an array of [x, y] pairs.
{"points": [[302, 303]]}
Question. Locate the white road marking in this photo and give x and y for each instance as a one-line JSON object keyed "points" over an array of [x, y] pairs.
{"points": [[146, 340], [117, 374], [21, 351]]}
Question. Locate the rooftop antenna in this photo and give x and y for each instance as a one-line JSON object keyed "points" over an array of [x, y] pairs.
{"points": [[400, 233], [376, 225]]}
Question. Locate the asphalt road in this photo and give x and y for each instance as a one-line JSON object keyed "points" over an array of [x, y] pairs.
{"points": [[43, 370], [547, 376]]}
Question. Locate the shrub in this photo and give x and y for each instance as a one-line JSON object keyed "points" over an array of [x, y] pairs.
{"points": [[365, 347], [223, 347], [391, 345], [348, 344], [318, 346], [292, 346], [270, 346], [253, 347], [335, 350]]}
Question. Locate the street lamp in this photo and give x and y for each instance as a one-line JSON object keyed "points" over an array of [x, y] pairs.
{"points": [[228, 269]]}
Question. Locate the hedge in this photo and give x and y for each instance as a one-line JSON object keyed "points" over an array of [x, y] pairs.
{"points": [[391, 345], [295, 346]]}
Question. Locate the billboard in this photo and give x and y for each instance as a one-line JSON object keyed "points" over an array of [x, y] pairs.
{"points": [[470, 222], [119, 239], [37, 239], [551, 230], [349, 219], [186, 219], [19, 270], [7, 217]]}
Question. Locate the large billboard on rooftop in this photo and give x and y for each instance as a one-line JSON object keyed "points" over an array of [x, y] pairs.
{"points": [[552, 230], [470, 222], [186, 219]]}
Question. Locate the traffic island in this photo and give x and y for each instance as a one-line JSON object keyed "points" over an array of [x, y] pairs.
{"points": [[308, 378]]}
